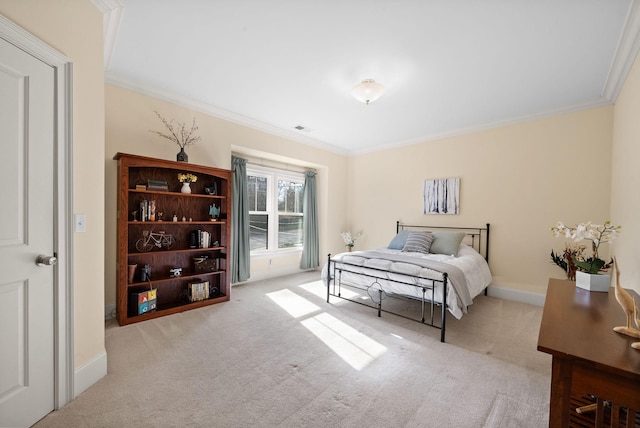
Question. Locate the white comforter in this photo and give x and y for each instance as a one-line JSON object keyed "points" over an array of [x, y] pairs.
{"points": [[473, 265]]}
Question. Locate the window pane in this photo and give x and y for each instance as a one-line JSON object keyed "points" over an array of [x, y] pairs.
{"points": [[258, 231], [289, 197], [257, 190], [289, 231]]}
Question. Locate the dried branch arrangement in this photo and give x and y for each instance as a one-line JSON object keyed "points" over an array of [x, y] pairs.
{"points": [[178, 132]]}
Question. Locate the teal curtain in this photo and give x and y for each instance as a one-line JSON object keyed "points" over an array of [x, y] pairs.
{"points": [[310, 242], [240, 248]]}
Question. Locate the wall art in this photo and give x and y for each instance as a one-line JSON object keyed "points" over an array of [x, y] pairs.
{"points": [[442, 196]]}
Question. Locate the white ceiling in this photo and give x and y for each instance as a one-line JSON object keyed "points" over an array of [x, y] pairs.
{"points": [[448, 66]]}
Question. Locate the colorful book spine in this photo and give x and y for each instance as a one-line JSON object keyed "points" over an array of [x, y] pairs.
{"points": [[198, 291]]}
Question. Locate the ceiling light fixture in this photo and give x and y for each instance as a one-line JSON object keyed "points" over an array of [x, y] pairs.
{"points": [[368, 91]]}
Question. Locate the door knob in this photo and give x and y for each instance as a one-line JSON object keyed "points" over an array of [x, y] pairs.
{"points": [[43, 260]]}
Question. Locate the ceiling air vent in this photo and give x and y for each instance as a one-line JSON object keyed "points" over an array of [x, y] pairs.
{"points": [[302, 128]]}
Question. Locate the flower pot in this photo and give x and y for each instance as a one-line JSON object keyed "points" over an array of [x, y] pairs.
{"points": [[593, 282], [186, 188]]}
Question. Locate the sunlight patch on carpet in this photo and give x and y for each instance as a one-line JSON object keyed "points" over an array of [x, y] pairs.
{"points": [[295, 305], [353, 347], [319, 288]]}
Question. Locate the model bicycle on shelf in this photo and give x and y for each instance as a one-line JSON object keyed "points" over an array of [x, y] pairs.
{"points": [[150, 240]]}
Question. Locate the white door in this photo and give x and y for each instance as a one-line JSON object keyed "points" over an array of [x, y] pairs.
{"points": [[26, 231]]}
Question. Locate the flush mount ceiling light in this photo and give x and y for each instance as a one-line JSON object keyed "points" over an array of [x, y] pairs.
{"points": [[368, 91]]}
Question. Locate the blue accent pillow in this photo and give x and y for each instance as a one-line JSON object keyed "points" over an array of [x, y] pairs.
{"points": [[397, 243], [446, 243], [418, 242]]}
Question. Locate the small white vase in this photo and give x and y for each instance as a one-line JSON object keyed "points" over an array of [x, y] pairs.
{"points": [[593, 282], [186, 188]]}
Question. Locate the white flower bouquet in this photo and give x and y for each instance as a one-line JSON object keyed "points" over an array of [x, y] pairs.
{"points": [[597, 234], [349, 240]]}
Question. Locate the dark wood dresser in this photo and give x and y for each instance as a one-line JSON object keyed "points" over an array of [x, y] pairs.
{"points": [[591, 363]]}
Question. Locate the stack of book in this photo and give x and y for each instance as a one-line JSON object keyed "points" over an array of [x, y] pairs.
{"points": [[148, 210], [198, 291], [157, 185], [199, 239]]}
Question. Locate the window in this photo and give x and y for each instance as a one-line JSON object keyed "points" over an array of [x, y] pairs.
{"points": [[275, 209]]}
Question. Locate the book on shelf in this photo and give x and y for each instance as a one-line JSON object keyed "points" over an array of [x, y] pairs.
{"points": [[141, 187], [157, 185], [205, 239], [198, 291], [199, 239], [144, 210], [148, 210], [152, 211]]}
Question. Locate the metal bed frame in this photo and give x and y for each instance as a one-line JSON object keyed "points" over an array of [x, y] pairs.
{"points": [[477, 237]]}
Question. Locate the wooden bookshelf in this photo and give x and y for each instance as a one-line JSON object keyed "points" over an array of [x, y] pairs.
{"points": [[188, 233]]}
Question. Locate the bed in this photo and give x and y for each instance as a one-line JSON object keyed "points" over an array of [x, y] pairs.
{"points": [[425, 265]]}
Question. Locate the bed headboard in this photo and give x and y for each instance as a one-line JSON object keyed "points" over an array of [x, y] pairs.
{"points": [[476, 237]]}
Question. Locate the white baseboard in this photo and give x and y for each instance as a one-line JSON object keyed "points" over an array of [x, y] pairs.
{"points": [[274, 273], [109, 311], [522, 296], [89, 373]]}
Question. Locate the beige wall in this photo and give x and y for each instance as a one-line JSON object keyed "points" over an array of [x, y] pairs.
{"points": [[74, 28], [521, 178], [625, 182], [129, 117]]}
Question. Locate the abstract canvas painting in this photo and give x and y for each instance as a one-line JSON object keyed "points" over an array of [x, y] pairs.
{"points": [[442, 196]]}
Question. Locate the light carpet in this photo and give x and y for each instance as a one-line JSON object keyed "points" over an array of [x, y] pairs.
{"points": [[509, 413], [277, 354]]}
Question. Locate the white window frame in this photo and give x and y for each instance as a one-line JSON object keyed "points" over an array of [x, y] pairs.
{"points": [[273, 176]]}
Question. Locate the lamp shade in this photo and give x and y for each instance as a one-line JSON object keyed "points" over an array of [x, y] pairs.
{"points": [[368, 91]]}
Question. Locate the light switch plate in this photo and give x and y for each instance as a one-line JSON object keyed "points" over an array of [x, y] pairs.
{"points": [[80, 222]]}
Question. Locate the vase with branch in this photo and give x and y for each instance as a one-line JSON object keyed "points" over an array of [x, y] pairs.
{"points": [[179, 134]]}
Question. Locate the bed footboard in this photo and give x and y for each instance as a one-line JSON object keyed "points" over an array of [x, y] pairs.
{"points": [[377, 293]]}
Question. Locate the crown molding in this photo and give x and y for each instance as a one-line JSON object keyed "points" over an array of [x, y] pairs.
{"points": [[596, 103], [270, 129], [626, 53], [192, 104], [112, 12]]}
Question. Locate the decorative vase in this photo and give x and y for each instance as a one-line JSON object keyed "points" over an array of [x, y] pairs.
{"points": [[132, 273], [182, 156], [186, 188], [592, 282]]}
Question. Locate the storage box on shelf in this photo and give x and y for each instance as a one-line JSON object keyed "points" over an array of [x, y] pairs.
{"points": [[169, 240]]}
